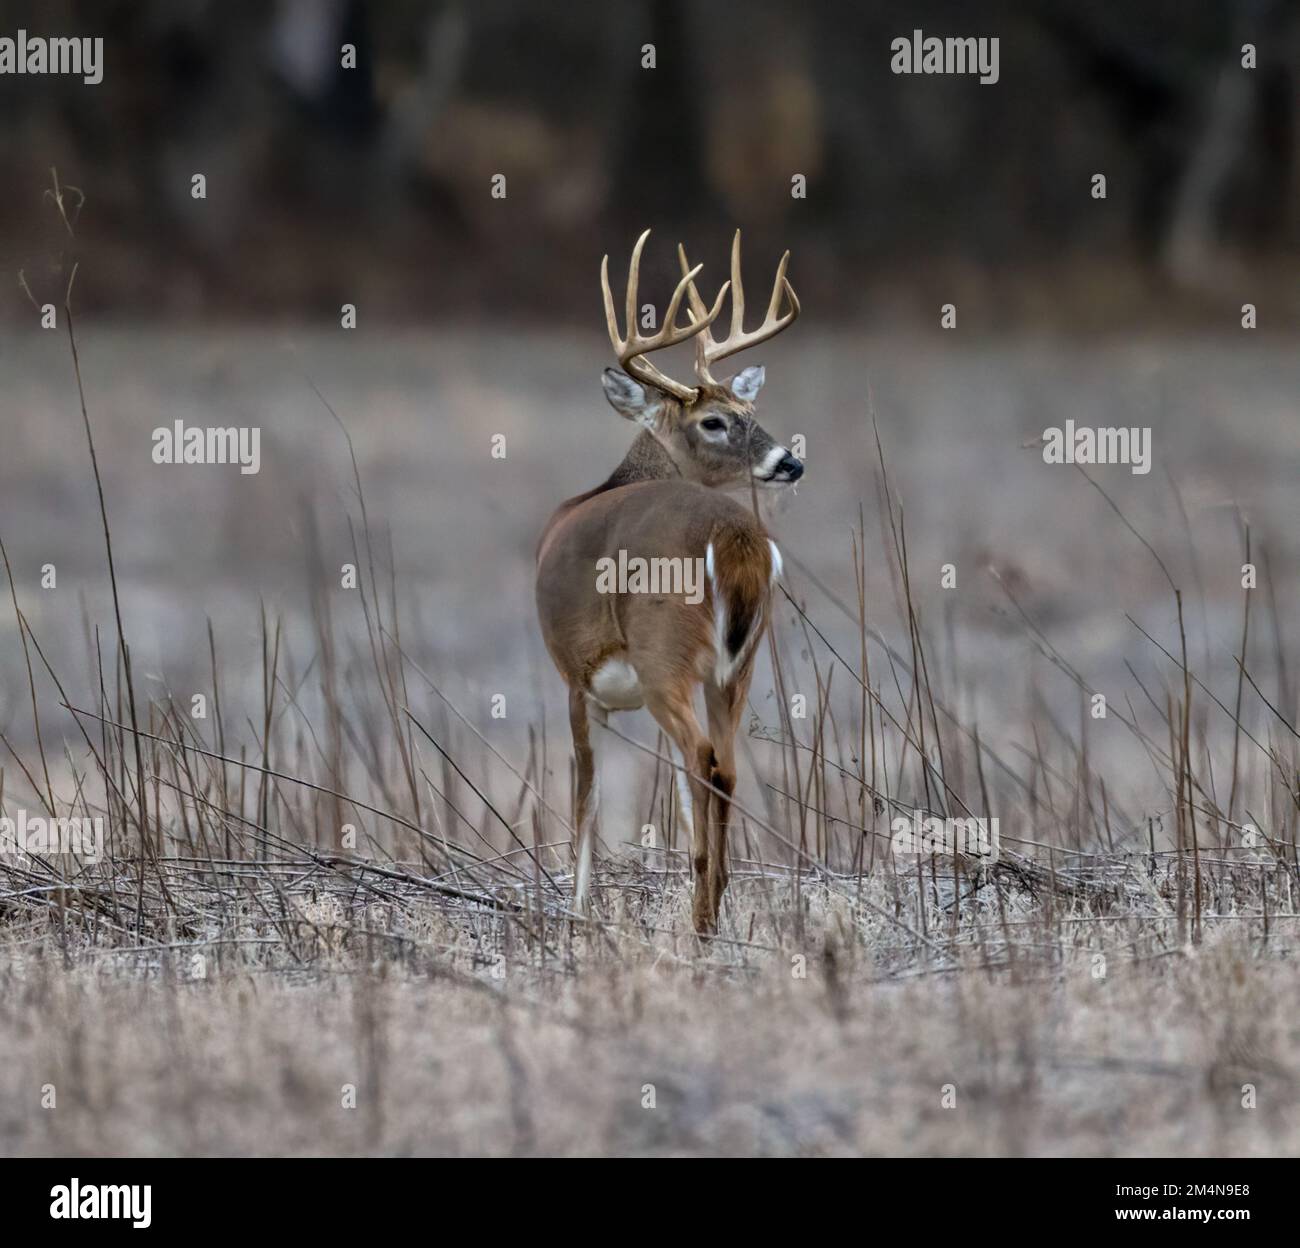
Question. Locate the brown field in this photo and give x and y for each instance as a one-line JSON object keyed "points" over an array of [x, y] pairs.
{"points": [[1121, 980]]}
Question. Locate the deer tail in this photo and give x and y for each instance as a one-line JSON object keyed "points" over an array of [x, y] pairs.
{"points": [[742, 565]]}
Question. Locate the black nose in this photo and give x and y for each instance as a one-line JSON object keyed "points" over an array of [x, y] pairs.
{"points": [[789, 469]]}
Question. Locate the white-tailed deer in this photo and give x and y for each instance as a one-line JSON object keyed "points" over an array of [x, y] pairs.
{"points": [[663, 509]]}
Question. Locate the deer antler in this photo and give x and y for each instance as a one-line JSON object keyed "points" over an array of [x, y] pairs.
{"points": [[707, 350], [631, 351]]}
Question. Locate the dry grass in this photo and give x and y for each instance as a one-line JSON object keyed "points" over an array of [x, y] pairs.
{"points": [[211, 986], [348, 879], [457, 1046]]}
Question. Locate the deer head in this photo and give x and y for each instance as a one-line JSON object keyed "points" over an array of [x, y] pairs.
{"points": [[708, 429]]}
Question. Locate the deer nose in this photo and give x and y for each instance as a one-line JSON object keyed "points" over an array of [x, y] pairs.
{"points": [[789, 469]]}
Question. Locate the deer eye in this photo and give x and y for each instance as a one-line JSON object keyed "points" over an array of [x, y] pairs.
{"points": [[713, 423]]}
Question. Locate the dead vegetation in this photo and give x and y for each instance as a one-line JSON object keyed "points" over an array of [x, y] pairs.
{"points": [[350, 884], [344, 893]]}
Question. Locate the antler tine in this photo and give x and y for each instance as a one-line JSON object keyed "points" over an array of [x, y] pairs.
{"points": [[632, 349], [738, 287], [796, 307], [611, 320], [773, 304], [633, 281], [699, 324], [698, 311], [710, 351]]}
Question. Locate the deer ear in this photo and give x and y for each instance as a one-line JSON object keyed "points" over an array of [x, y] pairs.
{"points": [[630, 399], [748, 382]]}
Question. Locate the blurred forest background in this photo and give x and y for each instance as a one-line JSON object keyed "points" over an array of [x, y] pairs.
{"points": [[372, 185]]}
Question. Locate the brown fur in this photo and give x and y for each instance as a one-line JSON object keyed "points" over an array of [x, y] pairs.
{"points": [[743, 561], [662, 502], [669, 642]]}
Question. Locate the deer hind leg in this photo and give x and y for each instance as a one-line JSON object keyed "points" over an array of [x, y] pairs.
{"points": [[724, 704], [587, 801], [675, 714]]}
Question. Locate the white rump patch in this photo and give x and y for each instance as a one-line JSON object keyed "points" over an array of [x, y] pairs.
{"points": [[616, 686]]}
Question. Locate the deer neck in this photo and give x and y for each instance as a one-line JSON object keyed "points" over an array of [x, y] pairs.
{"points": [[646, 460]]}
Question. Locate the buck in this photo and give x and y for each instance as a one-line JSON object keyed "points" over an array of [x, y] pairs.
{"points": [[667, 500]]}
